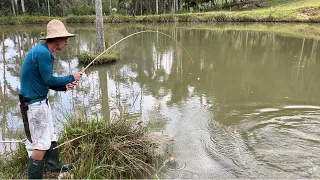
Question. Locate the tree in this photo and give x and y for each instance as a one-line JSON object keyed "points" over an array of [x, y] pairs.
{"points": [[157, 6], [48, 7], [16, 6], [13, 8], [22, 6], [100, 45]]}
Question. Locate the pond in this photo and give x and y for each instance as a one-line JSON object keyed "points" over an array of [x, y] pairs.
{"points": [[245, 105]]}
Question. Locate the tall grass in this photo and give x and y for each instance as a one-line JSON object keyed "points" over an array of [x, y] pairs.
{"points": [[108, 150]]}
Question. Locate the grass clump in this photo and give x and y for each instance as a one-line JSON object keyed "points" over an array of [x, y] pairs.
{"points": [[107, 150], [87, 57], [80, 19], [14, 166]]}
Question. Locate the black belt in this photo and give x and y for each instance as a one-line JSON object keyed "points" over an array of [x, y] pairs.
{"points": [[24, 112], [25, 99]]}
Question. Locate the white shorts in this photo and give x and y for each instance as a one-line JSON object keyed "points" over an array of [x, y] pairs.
{"points": [[41, 127]]}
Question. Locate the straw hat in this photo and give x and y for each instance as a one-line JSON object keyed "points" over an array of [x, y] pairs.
{"points": [[55, 29]]}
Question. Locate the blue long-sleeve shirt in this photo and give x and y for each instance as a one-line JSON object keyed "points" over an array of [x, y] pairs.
{"points": [[37, 74]]}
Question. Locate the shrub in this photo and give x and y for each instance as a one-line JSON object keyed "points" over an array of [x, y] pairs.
{"points": [[87, 57]]}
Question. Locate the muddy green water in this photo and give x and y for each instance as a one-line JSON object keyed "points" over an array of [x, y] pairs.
{"points": [[247, 105]]}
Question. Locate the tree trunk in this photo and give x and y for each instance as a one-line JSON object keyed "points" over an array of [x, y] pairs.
{"points": [[38, 4], [13, 8], [100, 45], [140, 7], [4, 95], [314, 50], [63, 7], [177, 5], [300, 59], [48, 7], [19, 45], [174, 6], [22, 5], [16, 6], [104, 95], [136, 7], [157, 6]]}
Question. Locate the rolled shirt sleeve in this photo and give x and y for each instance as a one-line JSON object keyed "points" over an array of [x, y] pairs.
{"points": [[45, 62]]}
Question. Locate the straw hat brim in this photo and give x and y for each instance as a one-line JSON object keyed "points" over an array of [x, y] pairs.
{"points": [[59, 36]]}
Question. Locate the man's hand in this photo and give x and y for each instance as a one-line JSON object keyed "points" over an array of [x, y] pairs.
{"points": [[77, 75], [71, 85]]}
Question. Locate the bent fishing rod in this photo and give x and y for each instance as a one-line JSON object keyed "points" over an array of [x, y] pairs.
{"points": [[128, 37]]}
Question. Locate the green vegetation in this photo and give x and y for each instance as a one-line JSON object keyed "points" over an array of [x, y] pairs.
{"points": [[272, 3], [98, 149], [87, 57], [298, 11], [16, 167]]}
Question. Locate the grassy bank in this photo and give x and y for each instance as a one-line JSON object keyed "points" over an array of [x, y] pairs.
{"points": [[98, 150], [275, 11], [87, 57], [301, 30], [20, 20], [290, 11]]}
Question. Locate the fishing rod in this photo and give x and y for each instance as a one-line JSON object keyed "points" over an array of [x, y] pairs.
{"points": [[128, 37], [16, 141]]}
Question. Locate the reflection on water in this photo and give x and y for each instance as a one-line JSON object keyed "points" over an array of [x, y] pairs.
{"points": [[246, 105]]}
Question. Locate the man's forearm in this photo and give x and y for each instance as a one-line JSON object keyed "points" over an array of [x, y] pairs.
{"points": [[58, 88]]}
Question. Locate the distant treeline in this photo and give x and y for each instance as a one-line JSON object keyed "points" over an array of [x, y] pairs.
{"points": [[124, 7]]}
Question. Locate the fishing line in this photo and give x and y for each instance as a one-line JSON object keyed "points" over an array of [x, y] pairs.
{"points": [[128, 37]]}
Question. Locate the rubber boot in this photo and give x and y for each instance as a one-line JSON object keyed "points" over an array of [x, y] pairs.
{"points": [[52, 163], [35, 169]]}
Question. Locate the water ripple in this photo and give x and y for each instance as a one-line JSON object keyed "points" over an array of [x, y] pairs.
{"points": [[286, 141], [175, 165], [267, 142]]}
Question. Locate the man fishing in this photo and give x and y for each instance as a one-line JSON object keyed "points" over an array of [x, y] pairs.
{"points": [[36, 80]]}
